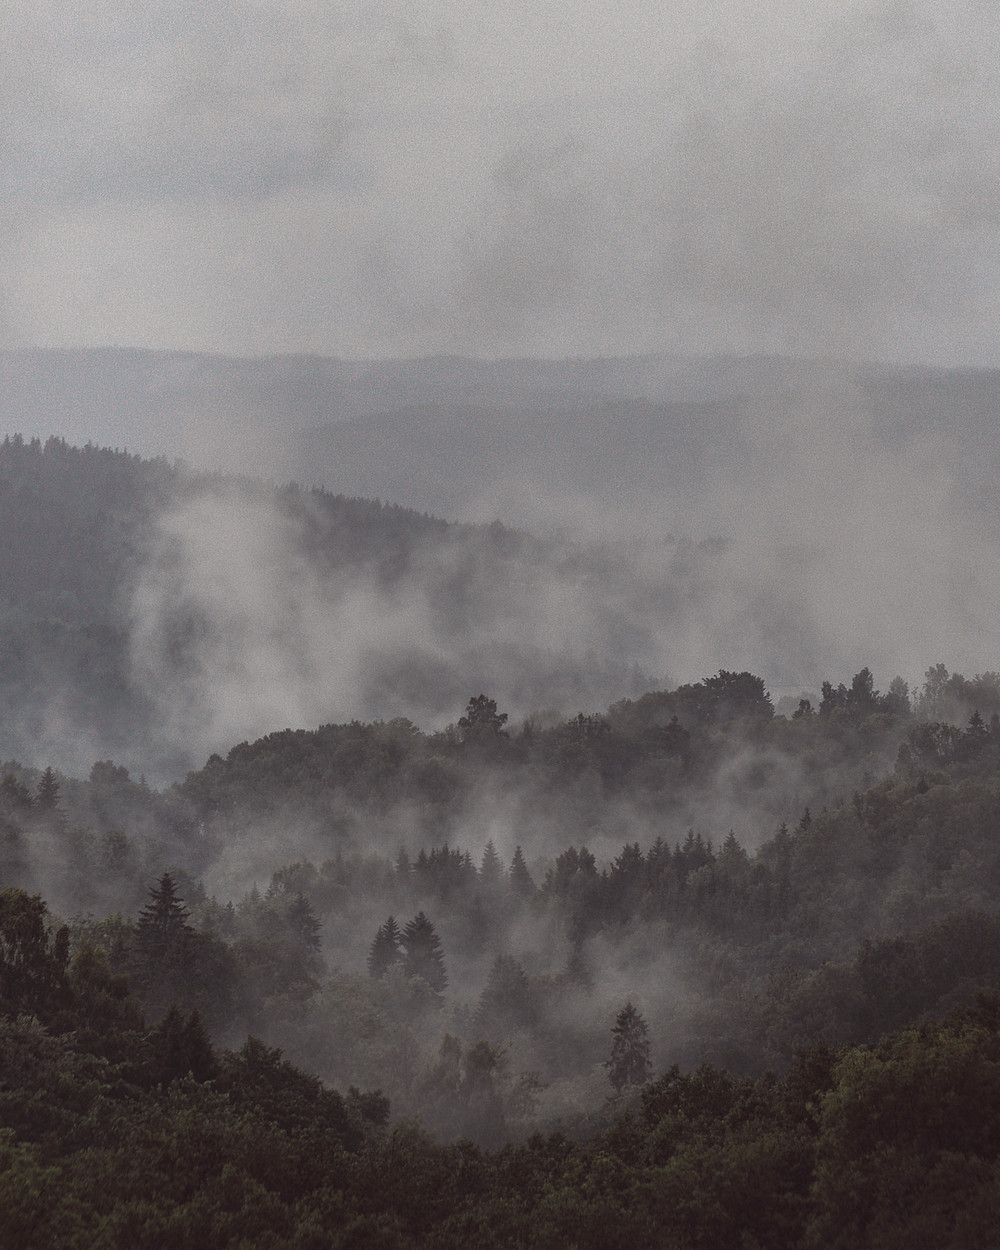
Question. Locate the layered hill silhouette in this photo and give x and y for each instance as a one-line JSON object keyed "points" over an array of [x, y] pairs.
{"points": [[559, 533]]}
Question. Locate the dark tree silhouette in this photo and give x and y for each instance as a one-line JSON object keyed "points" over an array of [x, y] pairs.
{"points": [[385, 950], [47, 795], [491, 870], [162, 922], [422, 956], [507, 1001], [520, 879], [629, 1063], [482, 721], [32, 967]]}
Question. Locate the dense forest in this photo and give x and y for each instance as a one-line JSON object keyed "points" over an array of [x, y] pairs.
{"points": [[141, 602], [685, 1044], [693, 969]]}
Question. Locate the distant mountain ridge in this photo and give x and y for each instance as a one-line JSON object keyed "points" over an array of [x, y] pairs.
{"points": [[660, 518], [458, 437], [145, 606]]}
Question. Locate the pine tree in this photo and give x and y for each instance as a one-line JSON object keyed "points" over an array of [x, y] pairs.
{"points": [[162, 922], [422, 956], [385, 950], [629, 1063], [491, 870], [181, 1048], [507, 1001], [160, 965], [520, 879], [301, 924], [47, 794]]}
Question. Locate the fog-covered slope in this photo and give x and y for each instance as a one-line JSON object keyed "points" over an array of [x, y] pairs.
{"points": [[669, 517]]}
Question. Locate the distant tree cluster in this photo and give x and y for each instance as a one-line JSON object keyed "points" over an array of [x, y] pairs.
{"points": [[414, 949]]}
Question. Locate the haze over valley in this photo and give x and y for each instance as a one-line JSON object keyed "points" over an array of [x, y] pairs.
{"points": [[499, 583]]}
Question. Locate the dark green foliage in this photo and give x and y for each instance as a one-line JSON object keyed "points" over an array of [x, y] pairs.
{"points": [[422, 953], [258, 1076], [508, 1001], [890, 1145], [107, 1017], [170, 962], [180, 1048], [162, 922], [629, 1063], [386, 949], [482, 722], [32, 961]]}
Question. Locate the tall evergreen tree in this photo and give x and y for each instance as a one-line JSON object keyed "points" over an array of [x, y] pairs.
{"points": [[629, 1063], [422, 954], [47, 794], [385, 950], [161, 962], [162, 924], [520, 879], [491, 869], [181, 1048], [507, 1001]]}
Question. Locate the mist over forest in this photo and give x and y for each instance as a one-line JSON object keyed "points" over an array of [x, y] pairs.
{"points": [[659, 518], [499, 699], [670, 748]]}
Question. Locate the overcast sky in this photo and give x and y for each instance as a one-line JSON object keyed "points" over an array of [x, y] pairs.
{"points": [[372, 179]]}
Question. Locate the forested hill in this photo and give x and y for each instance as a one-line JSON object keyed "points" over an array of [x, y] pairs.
{"points": [[76, 523], [142, 602], [121, 1134], [671, 1045], [764, 927]]}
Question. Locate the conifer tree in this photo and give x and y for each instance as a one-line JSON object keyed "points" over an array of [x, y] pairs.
{"points": [[520, 879], [385, 950], [162, 958], [629, 1063], [507, 1001], [162, 922], [491, 869], [47, 794], [181, 1048], [422, 955]]}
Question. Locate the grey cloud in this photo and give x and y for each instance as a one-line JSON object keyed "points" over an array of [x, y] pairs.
{"points": [[651, 180], [807, 206], [176, 101]]}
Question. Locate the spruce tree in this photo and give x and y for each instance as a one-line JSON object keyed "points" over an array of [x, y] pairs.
{"points": [[629, 1063], [385, 950], [162, 924], [491, 869], [47, 794], [507, 1001], [422, 955], [160, 965], [520, 879]]}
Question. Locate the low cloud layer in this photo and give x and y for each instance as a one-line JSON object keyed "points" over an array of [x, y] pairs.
{"points": [[362, 181], [804, 548]]}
